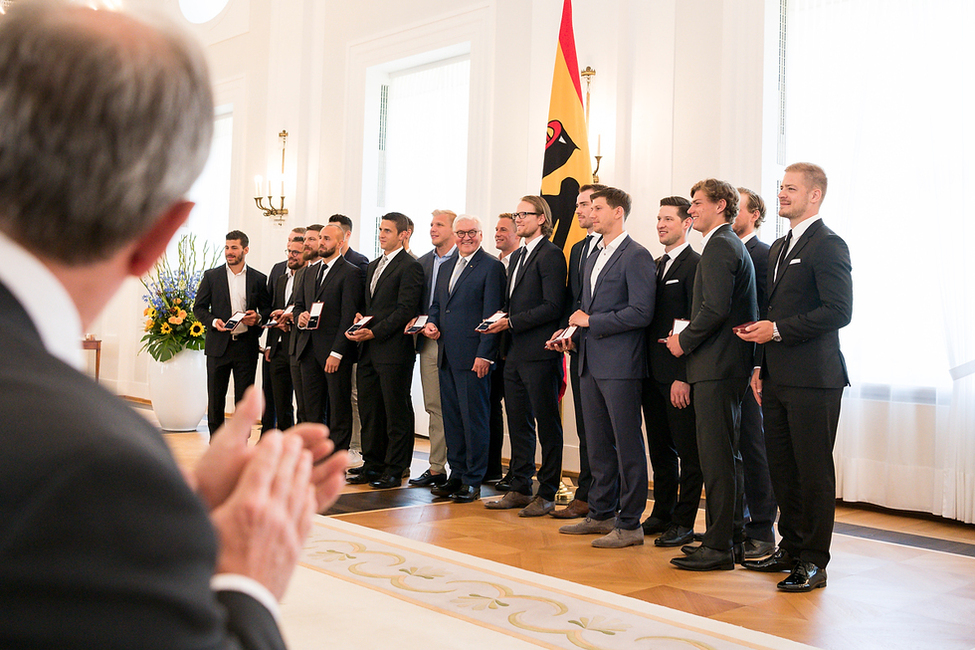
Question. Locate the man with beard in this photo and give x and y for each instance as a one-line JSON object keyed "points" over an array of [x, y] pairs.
{"points": [[276, 355], [230, 289], [324, 354]]}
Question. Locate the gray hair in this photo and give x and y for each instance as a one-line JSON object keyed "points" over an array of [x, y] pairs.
{"points": [[469, 217], [105, 122]]}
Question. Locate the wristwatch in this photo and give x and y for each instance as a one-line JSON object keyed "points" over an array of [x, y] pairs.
{"points": [[775, 333]]}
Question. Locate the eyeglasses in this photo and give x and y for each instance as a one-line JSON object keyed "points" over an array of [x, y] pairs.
{"points": [[464, 234], [293, 252], [523, 215]]}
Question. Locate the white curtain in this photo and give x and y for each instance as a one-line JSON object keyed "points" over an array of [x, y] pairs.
{"points": [[880, 93]]}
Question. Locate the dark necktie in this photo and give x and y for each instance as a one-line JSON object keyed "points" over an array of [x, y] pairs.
{"points": [[661, 265], [782, 254]]}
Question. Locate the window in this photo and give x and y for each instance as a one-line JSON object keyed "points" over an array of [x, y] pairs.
{"points": [[210, 219], [416, 147]]}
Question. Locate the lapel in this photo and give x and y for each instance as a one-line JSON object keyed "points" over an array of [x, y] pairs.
{"points": [[475, 259], [332, 272], [791, 255], [524, 265], [676, 265], [512, 265], [609, 263], [388, 271]]}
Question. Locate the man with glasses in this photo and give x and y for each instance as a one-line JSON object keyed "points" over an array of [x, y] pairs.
{"points": [[469, 290], [535, 296], [269, 419], [277, 361]]}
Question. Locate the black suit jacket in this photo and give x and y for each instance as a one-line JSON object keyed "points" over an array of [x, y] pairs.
{"points": [[276, 339], [213, 301], [809, 302], [758, 250], [102, 542], [724, 297], [341, 291], [674, 299], [395, 303], [478, 293], [536, 302], [357, 259]]}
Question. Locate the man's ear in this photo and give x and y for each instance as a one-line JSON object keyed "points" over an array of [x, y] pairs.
{"points": [[152, 244]]}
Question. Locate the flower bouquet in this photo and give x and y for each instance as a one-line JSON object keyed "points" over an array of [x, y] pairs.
{"points": [[170, 324]]}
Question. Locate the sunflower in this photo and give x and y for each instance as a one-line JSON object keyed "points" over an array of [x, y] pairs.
{"points": [[150, 312], [149, 323], [196, 329], [165, 329]]}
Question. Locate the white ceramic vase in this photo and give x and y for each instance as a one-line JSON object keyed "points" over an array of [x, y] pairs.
{"points": [[178, 390]]}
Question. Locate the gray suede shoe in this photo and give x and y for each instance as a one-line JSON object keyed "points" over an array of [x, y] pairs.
{"points": [[619, 538]]}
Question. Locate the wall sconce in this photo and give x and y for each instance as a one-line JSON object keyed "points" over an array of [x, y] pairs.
{"points": [[588, 74], [278, 214]]}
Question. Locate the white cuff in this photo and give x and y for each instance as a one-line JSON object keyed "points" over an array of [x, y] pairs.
{"points": [[249, 586]]}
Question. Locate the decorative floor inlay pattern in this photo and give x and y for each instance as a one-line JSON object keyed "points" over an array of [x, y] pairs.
{"points": [[533, 608]]}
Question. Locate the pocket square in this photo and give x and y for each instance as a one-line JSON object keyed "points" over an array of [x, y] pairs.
{"points": [[674, 281], [795, 261]]}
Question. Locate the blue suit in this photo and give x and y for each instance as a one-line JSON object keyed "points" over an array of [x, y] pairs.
{"points": [[465, 398], [612, 366]]}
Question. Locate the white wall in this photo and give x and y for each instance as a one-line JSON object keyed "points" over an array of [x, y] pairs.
{"points": [[677, 97]]}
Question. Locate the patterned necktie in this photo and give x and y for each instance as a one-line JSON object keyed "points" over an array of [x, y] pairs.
{"points": [[458, 269], [375, 276], [585, 255]]}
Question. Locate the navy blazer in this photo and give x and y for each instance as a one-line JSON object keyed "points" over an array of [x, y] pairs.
{"points": [[357, 259], [724, 297], [426, 261], [478, 293], [620, 308], [674, 295], [535, 304], [213, 301], [809, 302], [758, 250]]}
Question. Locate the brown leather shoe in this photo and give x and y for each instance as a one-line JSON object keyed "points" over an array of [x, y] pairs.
{"points": [[509, 501], [575, 510]]}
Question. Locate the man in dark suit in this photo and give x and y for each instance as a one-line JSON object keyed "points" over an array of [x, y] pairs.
{"points": [[578, 254], [312, 261], [444, 249], [535, 297], [269, 419], [668, 412], [229, 289], [276, 356], [718, 366], [506, 240], [358, 259], [324, 354], [617, 305], [801, 376], [760, 505], [469, 289], [394, 284], [103, 543]]}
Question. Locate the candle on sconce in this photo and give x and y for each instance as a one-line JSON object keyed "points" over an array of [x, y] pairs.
{"points": [[269, 188], [599, 145], [282, 188], [257, 183]]}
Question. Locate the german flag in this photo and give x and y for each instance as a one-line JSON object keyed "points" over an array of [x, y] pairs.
{"points": [[567, 166]]}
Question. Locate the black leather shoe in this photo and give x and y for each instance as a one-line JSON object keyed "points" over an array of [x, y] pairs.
{"points": [[504, 485], [446, 488], [355, 471], [689, 549], [806, 576], [386, 481], [675, 536], [491, 480], [363, 477], [738, 552], [428, 479], [755, 548], [705, 559], [778, 561], [466, 494], [655, 525]]}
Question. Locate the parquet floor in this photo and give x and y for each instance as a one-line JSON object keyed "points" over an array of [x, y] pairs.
{"points": [[895, 581]]}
